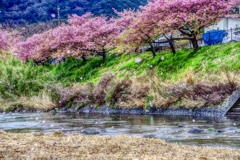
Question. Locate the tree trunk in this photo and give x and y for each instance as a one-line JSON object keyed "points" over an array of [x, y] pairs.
{"points": [[104, 55], [171, 43], [195, 43], [135, 51], [152, 49], [84, 58]]}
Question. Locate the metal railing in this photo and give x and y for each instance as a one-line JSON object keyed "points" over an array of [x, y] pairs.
{"points": [[232, 35]]}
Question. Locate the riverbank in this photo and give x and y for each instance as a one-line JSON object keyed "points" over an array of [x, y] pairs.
{"points": [[188, 79], [75, 146], [213, 111]]}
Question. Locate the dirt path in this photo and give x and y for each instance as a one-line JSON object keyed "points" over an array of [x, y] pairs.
{"points": [[74, 146]]}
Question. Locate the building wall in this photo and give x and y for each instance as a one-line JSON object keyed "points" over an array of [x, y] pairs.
{"points": [[233, 23], [225, 24]]}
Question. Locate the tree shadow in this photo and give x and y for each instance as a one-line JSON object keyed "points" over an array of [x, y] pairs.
{"points": [[192, 54]]}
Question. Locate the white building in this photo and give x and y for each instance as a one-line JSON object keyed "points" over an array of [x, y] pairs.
{"points": [[231, 25], [228, 23], [225, 24]]}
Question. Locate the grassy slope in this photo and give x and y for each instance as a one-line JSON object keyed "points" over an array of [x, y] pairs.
{"points": [[205, 60], [151, 80]]}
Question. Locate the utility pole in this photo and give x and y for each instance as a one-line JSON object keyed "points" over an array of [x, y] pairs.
{"points": [[58, 11]]}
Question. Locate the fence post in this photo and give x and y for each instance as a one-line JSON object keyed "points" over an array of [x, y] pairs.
{"points": [[231, 33], [209, 38]]}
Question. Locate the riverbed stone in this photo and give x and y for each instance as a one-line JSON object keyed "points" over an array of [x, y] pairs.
{"points": [[52, 111], [220, 131], [195, 130], [181, 126], [91, 131], [24, 111]]}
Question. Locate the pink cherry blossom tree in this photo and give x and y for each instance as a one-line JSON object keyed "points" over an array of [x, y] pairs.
{"points": [[84, 35], [55, 43], [135, 32], [188, 17], [167, 18], [100, 32], [139, 31], [8, 40]]}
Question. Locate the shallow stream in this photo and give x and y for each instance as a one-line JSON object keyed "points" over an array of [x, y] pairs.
{"points": [[223, 132]]}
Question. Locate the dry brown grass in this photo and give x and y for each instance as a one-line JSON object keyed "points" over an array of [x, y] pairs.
{"points": [[190, 103], [100, 90], [189, 90], [79, 95], [118, 91], [41, 102], [74, 146], [131, 93], [192, 89]]}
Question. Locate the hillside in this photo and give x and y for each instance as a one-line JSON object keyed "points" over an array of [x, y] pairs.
{"points": [[189, 79], [35, 10]]}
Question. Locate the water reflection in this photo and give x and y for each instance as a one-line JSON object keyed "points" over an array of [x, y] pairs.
{"points": [[223, 132]]}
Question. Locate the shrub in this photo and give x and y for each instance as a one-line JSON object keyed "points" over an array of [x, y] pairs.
{"points": [[99, 92], [18, 79]]}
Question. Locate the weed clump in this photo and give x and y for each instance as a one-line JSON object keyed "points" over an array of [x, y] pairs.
{"points": [[100, 90], [78, 95]]}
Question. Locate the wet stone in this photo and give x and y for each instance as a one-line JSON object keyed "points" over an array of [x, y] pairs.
{"points": [[24, 111], [91, 131], [71, 110], [195, 130], [52, 111], [220, 131], [181, 126], [63, 109]]}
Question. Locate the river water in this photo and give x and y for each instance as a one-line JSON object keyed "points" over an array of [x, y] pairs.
{"points": [[223, 132]]}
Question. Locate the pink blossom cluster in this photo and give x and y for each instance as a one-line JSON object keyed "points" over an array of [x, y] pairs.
{"points": [[52, 43], [164, 17], [99, 32], [174, 14], [3, 41], [84, 35]]}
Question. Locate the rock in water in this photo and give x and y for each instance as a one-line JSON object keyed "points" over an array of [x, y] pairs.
{"points": [[91, 131], [195, 130], [180, 126], [220, 131]]}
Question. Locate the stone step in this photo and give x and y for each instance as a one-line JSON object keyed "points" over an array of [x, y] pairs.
{"points": [[233, 113], [235, 110]]}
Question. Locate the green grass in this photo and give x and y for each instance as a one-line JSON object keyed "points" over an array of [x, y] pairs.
{"points": [[206, 59], [18, 79], [27, 79]]}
